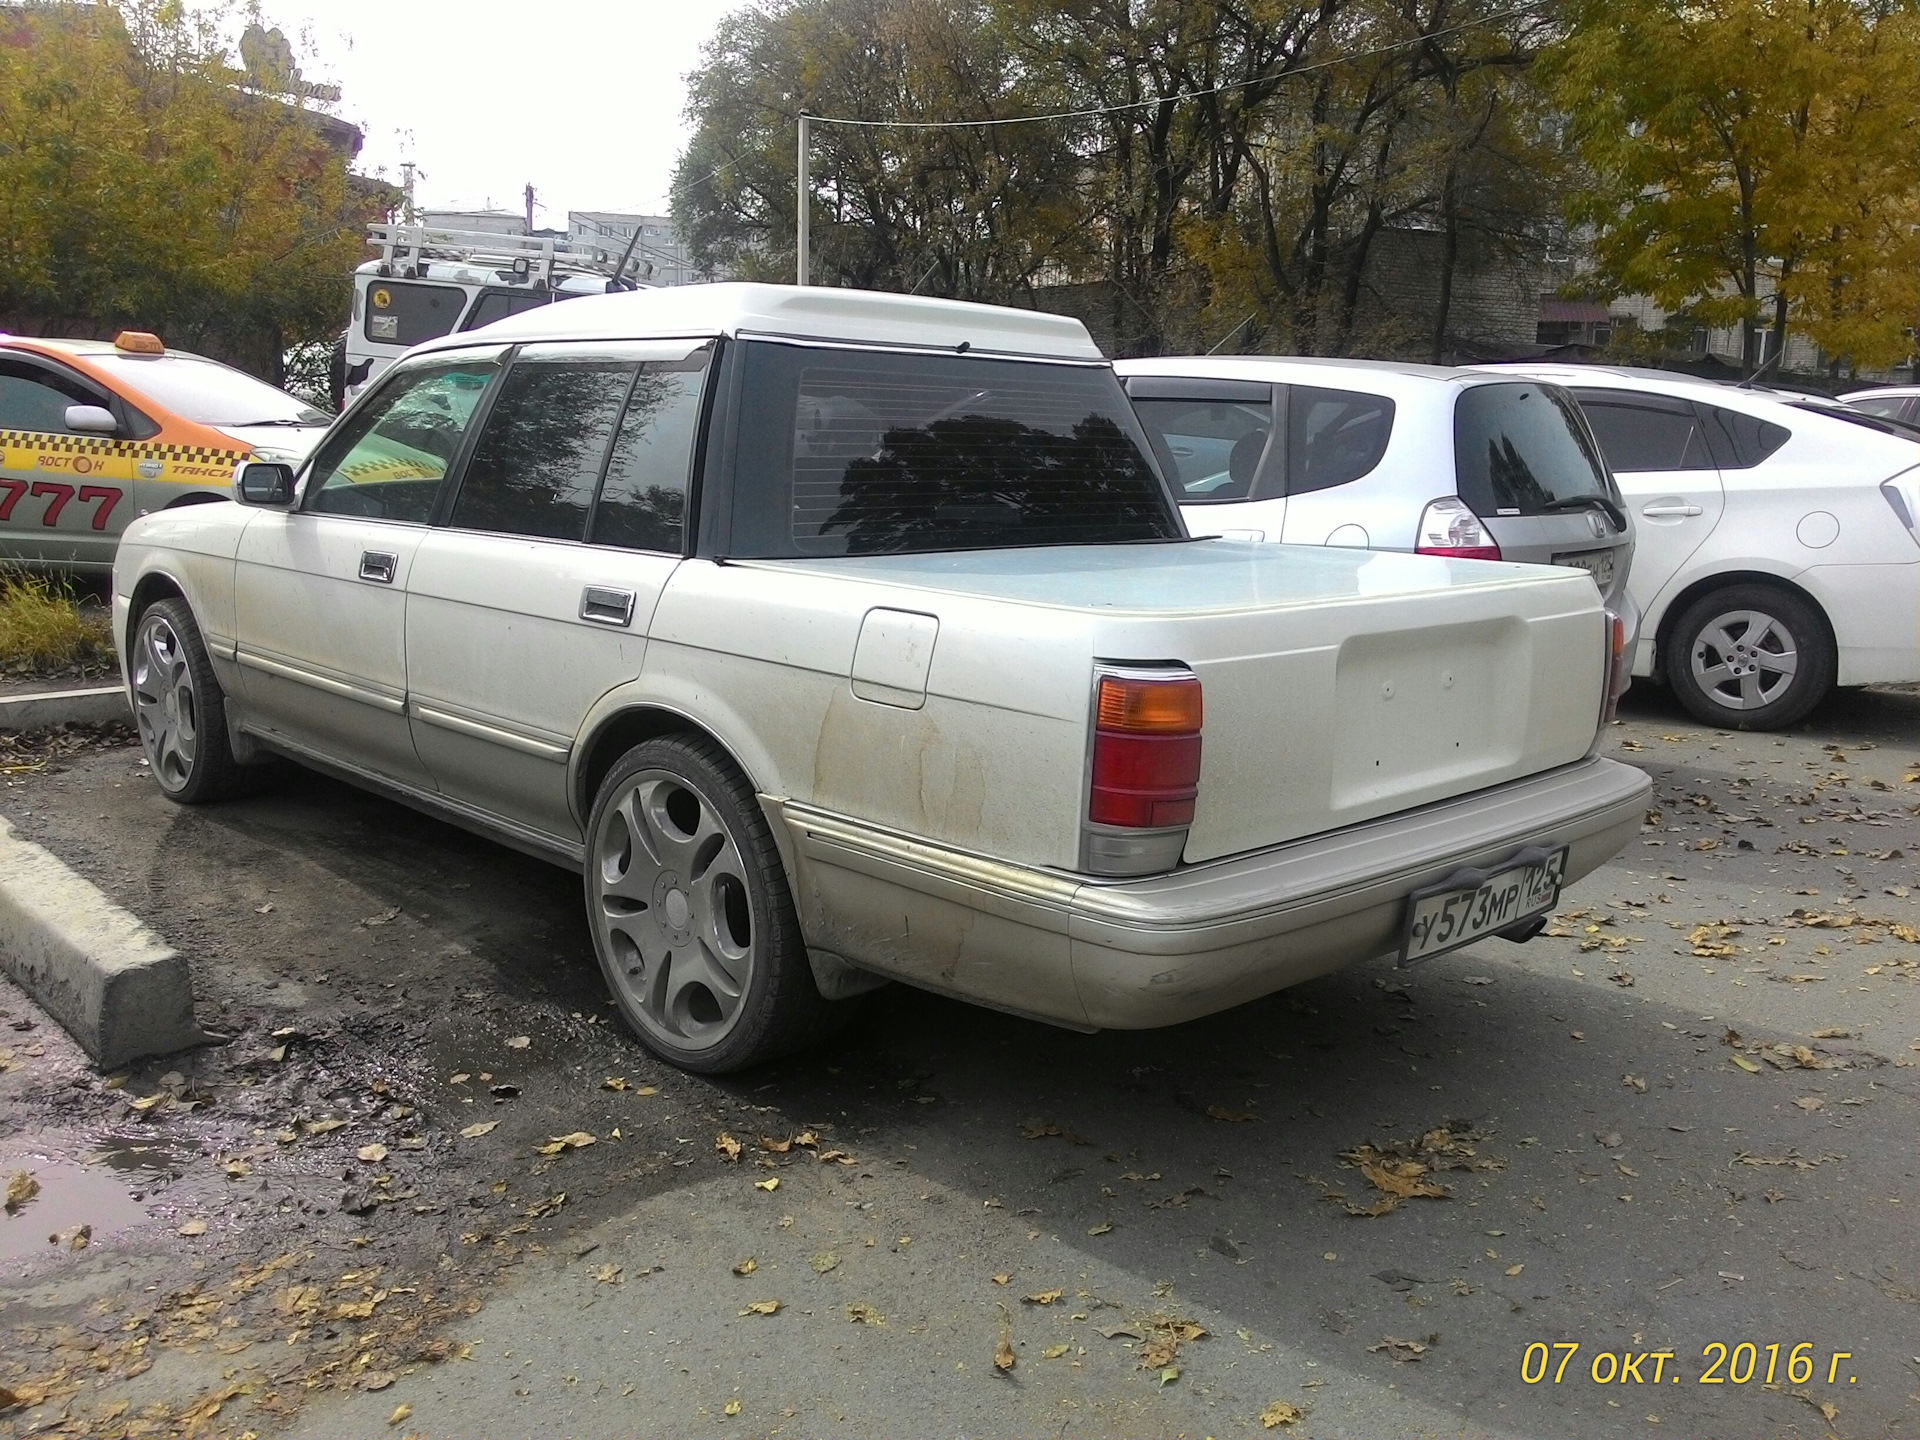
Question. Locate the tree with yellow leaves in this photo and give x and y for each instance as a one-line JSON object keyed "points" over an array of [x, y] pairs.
{"points": [[145, 181], [1755, 162]]}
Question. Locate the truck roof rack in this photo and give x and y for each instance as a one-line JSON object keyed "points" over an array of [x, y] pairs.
{"points": [[405, 249]]}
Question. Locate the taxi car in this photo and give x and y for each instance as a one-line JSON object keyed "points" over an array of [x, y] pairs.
{"points": [[93, 433]]}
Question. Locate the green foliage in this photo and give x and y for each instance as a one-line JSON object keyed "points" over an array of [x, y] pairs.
{"points": [[142, 182], [43, 630]]}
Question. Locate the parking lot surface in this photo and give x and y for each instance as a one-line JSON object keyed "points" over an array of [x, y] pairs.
{"points": [[429, 1187]]}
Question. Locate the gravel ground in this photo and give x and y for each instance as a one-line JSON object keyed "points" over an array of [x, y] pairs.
{"points": [[428, 1186]]}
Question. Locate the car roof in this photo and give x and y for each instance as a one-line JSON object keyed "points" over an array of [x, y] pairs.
{"points": [[1281, 368], [82, 349], [813, 312]]}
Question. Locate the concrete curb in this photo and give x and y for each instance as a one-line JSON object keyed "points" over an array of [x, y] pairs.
{"points": [[118, 988], [97, 705]]}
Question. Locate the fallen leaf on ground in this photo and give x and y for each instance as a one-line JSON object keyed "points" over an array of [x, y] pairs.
{"points": [[479, 1128], [20, 1192], [578, 1140], [1279, 1413], [1401, 1350], [400, 1412], [726, 1145], [746, 1266], [1810, 1103], [770, 1184], [1169, 1374], [614, 1082], [1229, 1117], [763, 1307], [1833, 1034], [1515, 1269], [1043, 1297], [861, 1313], [1054, 1352], [732, 1407], [775, 1145], [80, 1238], [823, 1262], [1102, 1228], [608, 1275], [192, 1228], [1745, 1064], [1002, 1279], [519, 1042], [372, 1154]]}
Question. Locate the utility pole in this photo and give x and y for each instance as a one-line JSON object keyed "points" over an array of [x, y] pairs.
{"points": [[407, 170], [801, 207], [529, 197]]}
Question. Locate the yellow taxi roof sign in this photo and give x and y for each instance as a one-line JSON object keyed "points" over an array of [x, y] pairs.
{"points": [[139, 342]]}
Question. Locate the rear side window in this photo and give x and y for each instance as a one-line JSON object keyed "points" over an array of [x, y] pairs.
{"points": [[1519, 448], [1334, 436], [1214, 446], [848, 452], [1745, 440], [1647, 436], [643, 500], [404, 312], [498, 304], [537, 462], [387, 460]]}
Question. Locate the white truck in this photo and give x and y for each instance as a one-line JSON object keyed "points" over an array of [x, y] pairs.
{"points": [[837, 637]]}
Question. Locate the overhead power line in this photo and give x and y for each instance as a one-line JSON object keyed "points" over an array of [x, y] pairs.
{"points": [[1326, 64]]}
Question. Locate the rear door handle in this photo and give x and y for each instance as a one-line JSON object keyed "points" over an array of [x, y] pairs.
{"points": [[378, 566], [1662, 509], [604, 605]]}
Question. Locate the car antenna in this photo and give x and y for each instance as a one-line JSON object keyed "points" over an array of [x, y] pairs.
{"points": [[620, 270], [1753, 380]]}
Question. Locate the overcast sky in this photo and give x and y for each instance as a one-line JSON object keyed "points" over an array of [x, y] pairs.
{"points": [[581, 98]]}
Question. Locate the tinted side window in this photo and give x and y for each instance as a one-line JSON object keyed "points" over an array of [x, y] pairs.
{"points": [[537, 461], [1745, 440], [643, 499], [498, 304], [387, 462], [1334, 436], [1894, 407], [1519, 449], [1646, 437], [1214, 446], [36, 399], [402, 312]]}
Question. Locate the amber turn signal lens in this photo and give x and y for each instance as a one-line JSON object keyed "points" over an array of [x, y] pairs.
{"points": [[1149, 707], [139, 342]]}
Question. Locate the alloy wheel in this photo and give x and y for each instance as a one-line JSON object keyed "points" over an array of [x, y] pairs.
{"points": [[672, 910], [1745, 659], [166, 702]]}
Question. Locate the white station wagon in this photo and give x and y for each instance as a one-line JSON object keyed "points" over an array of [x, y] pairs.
{"points": [[837, 637]]}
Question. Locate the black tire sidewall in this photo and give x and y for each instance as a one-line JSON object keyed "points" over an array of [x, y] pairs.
{"points": [[1811, 683], [214, 774], [781, 1009]]}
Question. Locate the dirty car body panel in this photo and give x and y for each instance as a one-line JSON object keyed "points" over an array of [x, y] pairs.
{"points": [[895, 557]]}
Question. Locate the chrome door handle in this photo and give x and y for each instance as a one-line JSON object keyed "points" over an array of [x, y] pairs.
{"points": [[1658, 512], [378, 566], [604, 605]]}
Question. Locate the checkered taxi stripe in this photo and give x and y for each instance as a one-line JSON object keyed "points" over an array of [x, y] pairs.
{"points": [[47, 444]]}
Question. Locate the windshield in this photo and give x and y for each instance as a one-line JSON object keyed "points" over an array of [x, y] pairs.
{"points": [[851, 452], [207, 392], [1519, 448]]}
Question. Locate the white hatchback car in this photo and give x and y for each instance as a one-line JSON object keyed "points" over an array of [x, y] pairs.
{"points": [[1776, 551], [1890, 402]]}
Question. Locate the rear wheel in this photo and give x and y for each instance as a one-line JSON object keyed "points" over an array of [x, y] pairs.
{"points": [[692, 920], [178, 706], [1750, 657]]}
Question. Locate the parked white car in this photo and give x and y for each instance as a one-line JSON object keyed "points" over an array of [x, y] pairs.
{"points": [[836, 637], [1386, 456], [1777, 554], [1890, 402]]}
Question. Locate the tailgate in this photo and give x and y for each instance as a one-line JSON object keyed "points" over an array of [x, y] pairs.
{"points": [[1329, 714]]}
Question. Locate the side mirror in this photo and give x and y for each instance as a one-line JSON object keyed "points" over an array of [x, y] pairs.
{"points": [[263, 482], [91, 420]]}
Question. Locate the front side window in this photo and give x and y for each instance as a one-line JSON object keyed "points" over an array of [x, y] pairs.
{"points": [[388, 460], [1215, 446], [35, 399], [537, 461], [1637, 438], [849, 452], [1334, 436], [405, 312], [1519, 449]]}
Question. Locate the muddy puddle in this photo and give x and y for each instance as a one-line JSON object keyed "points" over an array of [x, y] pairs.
{"points": [[57, 1202]]}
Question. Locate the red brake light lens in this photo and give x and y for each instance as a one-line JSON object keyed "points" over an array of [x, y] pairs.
{"points": [[1146, 752]]}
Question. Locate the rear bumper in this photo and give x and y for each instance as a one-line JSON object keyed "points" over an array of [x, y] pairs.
{"points": [[1156, 951]]}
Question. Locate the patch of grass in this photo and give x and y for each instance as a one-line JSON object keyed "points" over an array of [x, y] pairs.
{"points": [[43, 630]]}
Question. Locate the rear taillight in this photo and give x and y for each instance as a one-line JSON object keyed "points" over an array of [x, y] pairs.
{"points": [[1449, 528], [1614, 685], [1145, 770]]}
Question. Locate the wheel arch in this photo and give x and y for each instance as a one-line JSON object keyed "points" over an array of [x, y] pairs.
{"points": [[1683, 600], [154, 586], [611, 735]]}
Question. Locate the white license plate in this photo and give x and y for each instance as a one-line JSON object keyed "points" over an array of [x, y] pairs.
{"points": [[1475, 903], [1597, 563]]}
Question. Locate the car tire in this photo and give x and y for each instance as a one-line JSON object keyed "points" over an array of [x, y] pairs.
{"points": [[178, 706], [1750, 657], [692, 919]]}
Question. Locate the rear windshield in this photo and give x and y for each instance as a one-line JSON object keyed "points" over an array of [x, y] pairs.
{"points": [[401, 312], [1518, 448], [850, 452], [207, 392]]}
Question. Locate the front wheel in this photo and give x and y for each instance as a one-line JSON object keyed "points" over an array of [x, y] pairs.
{"points": [[1750, 657], [178, 706], [692, 920]]}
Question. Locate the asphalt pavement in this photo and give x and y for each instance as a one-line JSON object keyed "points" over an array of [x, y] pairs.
{"points": [[429, 1187]]}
